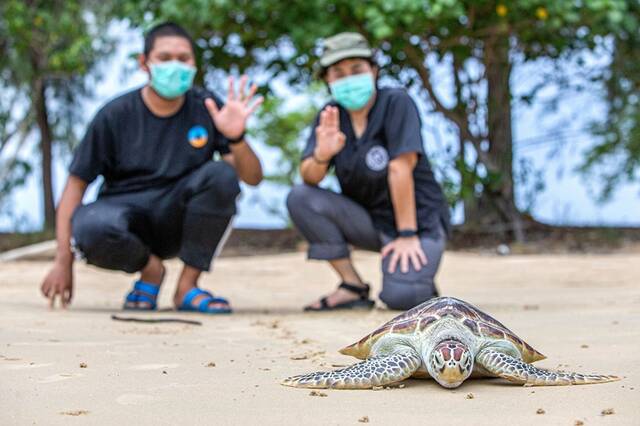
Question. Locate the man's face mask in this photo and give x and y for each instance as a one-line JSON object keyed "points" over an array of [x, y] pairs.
{"points": [[172, 78], [353, 92]]}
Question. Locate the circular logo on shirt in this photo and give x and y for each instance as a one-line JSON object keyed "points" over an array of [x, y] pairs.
{"points": [[198, 136], [377, 158]]}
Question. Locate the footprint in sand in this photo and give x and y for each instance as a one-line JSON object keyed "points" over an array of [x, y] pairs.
{"points": [[59, 377], [135, 399], [24, 366], [147, 367]]}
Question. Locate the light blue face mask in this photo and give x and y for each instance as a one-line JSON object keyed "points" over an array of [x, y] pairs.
{"points": [[353, 92], [172, 78]]}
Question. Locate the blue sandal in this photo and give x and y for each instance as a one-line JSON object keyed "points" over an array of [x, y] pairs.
{"points": [[142, 292], [203, 305]]}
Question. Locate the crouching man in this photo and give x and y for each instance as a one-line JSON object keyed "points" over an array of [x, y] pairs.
{"points": [[163, 194]]}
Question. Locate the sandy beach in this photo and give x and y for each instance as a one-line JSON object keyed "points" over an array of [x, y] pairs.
{"points": [[80, 366]]}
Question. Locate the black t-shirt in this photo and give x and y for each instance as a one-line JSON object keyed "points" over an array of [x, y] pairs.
{"points": [[134, 149], [393, 128]]}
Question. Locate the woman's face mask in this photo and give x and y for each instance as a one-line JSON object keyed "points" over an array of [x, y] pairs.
{"points": [[353, 92], [171, 79]]}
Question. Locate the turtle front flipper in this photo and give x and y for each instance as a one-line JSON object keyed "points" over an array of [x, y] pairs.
{"points": [[517, 371], [375, 371]]}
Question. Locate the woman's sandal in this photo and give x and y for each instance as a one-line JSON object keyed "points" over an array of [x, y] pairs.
{"points": [[362, 303], [204, 304], [143, 292]]}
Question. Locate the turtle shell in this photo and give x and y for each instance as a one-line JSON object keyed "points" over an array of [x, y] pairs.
{"points": [[424, 315]]}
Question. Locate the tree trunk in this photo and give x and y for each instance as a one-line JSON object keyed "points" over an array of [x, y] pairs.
{"points": [[39, 102], [499, 197]]}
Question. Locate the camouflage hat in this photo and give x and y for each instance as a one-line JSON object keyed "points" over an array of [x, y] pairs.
{"points": [[342, 46]]}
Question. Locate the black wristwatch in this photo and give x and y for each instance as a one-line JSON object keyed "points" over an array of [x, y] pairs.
{"points": [[321, 162], [406, 233], [236, 140]]}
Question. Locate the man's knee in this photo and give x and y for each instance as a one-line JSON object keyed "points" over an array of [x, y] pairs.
{"points": [[101, 236], [221, 181], [92, 224]]}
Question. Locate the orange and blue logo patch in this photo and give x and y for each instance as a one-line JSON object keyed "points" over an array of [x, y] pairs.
{"points": [[198, 136]]}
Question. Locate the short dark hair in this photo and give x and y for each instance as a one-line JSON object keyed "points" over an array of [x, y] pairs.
{"points": [[163, 30], [322, 71]]}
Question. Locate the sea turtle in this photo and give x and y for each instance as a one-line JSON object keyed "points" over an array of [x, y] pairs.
{"points": [[447, 339]]}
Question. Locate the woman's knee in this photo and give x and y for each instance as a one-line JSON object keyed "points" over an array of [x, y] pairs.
{"points": [[403, 295], [307, 199]]}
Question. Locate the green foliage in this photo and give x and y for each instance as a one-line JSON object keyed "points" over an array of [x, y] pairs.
{"points": [[616, 158], [47, 48], [14, 174], [282, 38], [58, 43], [283, 128]]}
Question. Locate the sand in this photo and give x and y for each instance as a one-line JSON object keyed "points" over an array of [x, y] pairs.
{"points": [[79, 366]]}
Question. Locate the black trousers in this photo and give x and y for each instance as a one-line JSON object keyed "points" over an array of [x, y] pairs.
{"points": [[187, 218]]}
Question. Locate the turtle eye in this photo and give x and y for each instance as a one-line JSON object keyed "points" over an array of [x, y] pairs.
{"points": [[466, 360], [437, 360]]}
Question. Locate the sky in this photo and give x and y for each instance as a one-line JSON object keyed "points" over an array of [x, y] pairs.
{"points": [[550, 140]]}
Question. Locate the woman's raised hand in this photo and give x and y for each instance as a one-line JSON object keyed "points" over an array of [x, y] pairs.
{"points": [[329, 139]]}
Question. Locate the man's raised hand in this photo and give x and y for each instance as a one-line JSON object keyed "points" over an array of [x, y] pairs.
{"points": [[231, 119]]}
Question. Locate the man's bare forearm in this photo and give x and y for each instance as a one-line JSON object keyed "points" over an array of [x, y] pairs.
{"points": [[70, 200], [402, 188], [246, 163]]}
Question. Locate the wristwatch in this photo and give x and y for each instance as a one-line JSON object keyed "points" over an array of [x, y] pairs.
{"points": [[237, 140], [317, 160], [405, 233]]}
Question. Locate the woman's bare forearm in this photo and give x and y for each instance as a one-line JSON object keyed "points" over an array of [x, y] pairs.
{"points": [[70, 200], [402, 188], [312, 171]]}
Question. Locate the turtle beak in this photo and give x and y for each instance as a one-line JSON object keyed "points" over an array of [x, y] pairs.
{"points": [[453, 364]]}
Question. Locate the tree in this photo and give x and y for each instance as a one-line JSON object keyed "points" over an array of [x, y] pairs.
{"points": [[283, 127], [616, 156], [47, 48], [479, 41]]}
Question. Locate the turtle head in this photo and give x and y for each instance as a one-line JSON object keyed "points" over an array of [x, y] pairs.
{"points": [[450, 363]]}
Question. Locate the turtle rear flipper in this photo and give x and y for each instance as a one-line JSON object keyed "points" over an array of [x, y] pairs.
{"points": [[517, 371], [375, 371]]}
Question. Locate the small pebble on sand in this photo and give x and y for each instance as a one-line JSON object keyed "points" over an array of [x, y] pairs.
{"points": [[83, 365], [211, 364], [540, 411], [364, 419], [470, 396], [317, 393], [607, 412], [584, 346], [578, 423]]}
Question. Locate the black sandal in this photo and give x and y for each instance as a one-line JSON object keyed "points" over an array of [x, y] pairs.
{"points": [[362, 303]]}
